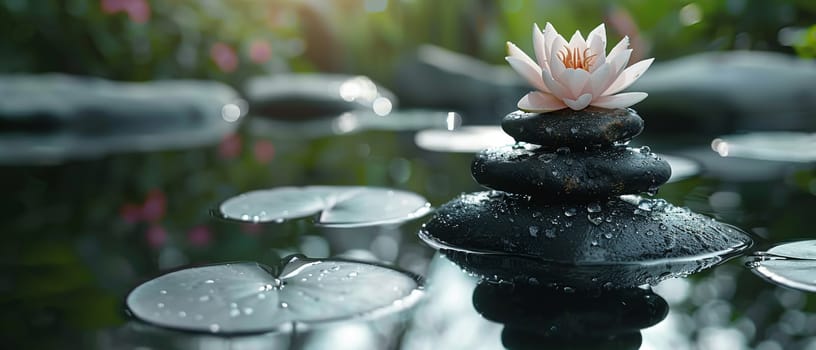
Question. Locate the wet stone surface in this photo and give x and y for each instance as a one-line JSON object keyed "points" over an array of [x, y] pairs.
{"points": [[576, 129], [565, 176], [616, 231]]}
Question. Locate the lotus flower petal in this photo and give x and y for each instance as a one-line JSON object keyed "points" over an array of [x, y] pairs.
{"points": [[576, 73], [620, 100], [524, 66], [540, 102], [575, 80], [628, 76], [579, 103], [538, 46], [577, 42]]}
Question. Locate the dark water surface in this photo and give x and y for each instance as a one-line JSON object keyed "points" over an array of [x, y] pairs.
{"points": [[78, 236]]}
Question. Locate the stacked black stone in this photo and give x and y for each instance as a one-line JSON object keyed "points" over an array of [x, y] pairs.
{"points": [[571, 156], [567, 193]]}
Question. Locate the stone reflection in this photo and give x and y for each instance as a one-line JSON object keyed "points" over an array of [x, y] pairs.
{"points": [[540, 316]]}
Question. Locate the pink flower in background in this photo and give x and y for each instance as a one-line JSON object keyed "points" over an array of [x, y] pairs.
{"points": [[260, 51], [264, 151], [131, 213], [199, 236], [224, 57], [152, 210], [622, 22], [156, 236], [578, 73], [155, 206], [230, 146], [138, 10]]}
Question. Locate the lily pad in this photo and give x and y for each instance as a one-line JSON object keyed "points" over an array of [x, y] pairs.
{"points": [[466, 139], [791, 265], [333, 206], [248, 297], [776, 146], [681, 168], [54, 118], [351, 122]]}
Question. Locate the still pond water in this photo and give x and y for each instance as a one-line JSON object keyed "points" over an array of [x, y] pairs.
{"points": [[80, 235]]}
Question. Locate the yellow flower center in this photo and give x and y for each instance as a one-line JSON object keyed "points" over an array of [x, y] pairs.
{"points": [[576, 59]]}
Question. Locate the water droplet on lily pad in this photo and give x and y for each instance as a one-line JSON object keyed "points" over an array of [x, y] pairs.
{"points": [[235, 304], [332, 206]]}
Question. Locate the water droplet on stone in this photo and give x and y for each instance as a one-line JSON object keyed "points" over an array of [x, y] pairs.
{"points": [[594, 243], [248, 311], [546, 157], [607, 235], [663, 227], [574, 129], [235, 313], [570, 212], [594, 207], [645, 150], [352, 274], [215, 328], [204, 298], [182, 314], [163, 291], [645, 206], [595, 218], [209, 281], [534, 231], [569, 290], [284, 305]]}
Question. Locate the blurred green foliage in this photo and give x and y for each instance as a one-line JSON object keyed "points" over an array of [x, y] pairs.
{"points": [[232, 40], [806, 46]]}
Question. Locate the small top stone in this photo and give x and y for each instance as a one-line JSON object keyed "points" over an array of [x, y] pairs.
{"points": [[575, 129]]}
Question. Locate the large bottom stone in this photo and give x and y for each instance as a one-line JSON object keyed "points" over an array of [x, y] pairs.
{"points": [[611, 244]]}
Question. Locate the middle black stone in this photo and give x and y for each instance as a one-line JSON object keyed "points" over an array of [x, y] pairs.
{"points": [[561, 176]]}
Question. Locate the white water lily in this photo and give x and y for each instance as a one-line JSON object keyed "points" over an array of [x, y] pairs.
{"points": [[578, 73]]}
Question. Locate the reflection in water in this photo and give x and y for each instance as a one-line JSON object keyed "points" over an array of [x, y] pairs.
{"points": [[373, 335], [464, 311], [536, 315]]}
